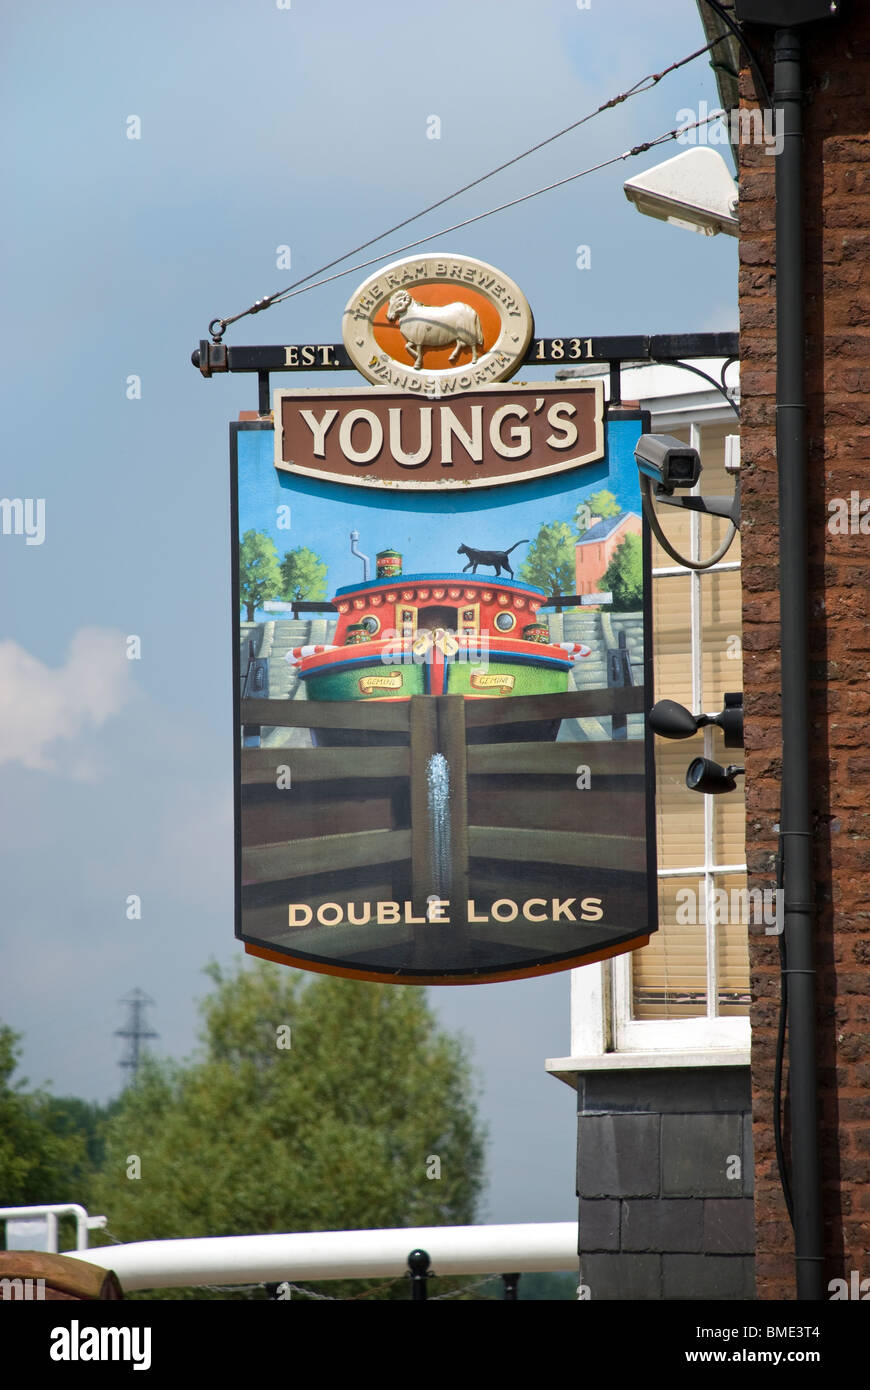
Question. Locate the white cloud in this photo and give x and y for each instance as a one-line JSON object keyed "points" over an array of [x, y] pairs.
{"points": [[40, 705]]}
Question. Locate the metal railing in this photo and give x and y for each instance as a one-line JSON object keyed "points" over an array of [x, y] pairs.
{"points": [[84, 1223], [317, 1255]]}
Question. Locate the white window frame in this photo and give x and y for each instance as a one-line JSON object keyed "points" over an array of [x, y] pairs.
{"points": [[603, 1032]]}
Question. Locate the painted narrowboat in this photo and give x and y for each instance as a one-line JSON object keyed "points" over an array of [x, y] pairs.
{"points": [[438, 634]]}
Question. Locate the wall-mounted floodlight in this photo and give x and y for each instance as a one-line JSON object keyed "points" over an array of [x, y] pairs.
{"points": [[703, 775], [692, 190], [671, 720]]}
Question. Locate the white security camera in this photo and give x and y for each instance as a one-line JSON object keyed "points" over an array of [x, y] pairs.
{"points": [[667, 461]]}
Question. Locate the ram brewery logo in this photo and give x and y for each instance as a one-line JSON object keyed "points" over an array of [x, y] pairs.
{"points": [[437, 325]]}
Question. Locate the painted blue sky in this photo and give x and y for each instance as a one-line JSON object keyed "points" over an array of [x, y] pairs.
{"points": [[259, 128], [426, 527]]}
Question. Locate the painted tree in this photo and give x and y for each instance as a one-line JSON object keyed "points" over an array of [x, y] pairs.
{"points": [[259, 571], [314, 1104], [602, 504], [303, 574], [550, 561], [624, 575]]}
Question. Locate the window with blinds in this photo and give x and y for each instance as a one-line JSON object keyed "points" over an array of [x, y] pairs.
{"points": [[697, 965]]}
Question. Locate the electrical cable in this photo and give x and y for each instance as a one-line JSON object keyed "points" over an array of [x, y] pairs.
{"points": [[738, 34], [650, 513], [640, 86]]}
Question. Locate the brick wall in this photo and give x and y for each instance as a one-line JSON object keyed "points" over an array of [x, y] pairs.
{"points": [[837, 242]]}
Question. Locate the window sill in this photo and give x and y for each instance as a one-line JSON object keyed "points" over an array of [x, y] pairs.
{"points": [[568, 1068]]}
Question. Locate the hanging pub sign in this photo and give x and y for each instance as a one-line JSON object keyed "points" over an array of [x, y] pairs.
{"points": [[444, 773], [494, 434]]}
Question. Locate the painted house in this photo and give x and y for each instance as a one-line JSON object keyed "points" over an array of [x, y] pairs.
{"points": [[595, 551]]}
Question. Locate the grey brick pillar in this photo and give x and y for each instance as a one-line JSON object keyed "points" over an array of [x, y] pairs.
{"points": [[664, 1178]]}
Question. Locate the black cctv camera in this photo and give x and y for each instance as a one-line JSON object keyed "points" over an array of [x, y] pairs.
{"points": [[667, 461]]}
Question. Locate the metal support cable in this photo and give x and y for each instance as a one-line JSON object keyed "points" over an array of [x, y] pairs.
{"points": [[291, 293], [644, 84]]}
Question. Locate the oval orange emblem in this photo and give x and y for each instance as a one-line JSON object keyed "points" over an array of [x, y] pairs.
{"points": [[437, 325]]}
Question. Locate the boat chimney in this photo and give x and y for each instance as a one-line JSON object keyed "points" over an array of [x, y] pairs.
{"points": [[354, 550]]}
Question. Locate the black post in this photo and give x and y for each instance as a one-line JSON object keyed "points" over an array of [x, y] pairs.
{"points": [[618, 675], [799, 907], [615, 382], [510, 1287], [418, 1268], [264, 404]]}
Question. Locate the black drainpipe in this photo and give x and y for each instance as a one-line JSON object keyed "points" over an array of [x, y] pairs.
{"points": [[797, 849]]}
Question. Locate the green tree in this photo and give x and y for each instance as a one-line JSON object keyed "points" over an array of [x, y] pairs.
{"points": [[259, 572], [602, 504], [334, 1132], [303, 574], [551, 1287], [624, 575], [43, 1158], [70, 1115], [550, 561]]}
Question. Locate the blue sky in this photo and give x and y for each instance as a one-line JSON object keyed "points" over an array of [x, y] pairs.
{"points": [[260, 127]]}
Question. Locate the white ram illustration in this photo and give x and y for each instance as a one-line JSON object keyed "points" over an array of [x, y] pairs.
{"points": [[430, 326]]}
